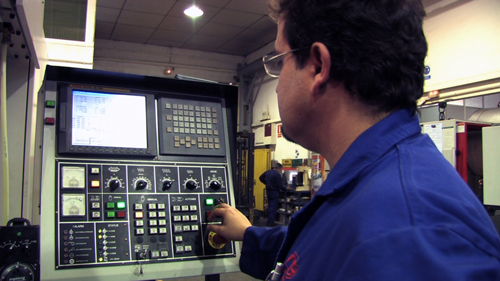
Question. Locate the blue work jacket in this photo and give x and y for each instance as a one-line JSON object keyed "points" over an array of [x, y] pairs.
{"points": [[392, 208]]}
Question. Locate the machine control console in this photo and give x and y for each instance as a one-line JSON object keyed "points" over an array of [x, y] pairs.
{"points": [[128, 212]]}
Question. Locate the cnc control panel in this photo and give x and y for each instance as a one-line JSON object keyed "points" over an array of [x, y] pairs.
{"points": [[118, 213], [130, 170]]}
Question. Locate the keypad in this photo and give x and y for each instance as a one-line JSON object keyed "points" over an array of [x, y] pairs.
{"points": [[186, 122]]}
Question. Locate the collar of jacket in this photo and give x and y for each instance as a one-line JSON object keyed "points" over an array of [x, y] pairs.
{"points": [[366, 149]]}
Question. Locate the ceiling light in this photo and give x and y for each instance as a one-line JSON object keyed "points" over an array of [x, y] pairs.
{"points": [[193, 12]]}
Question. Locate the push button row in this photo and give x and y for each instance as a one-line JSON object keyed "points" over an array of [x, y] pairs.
{"points": [[151, 206], [178, 228], [185, 208], [152, 231], [185, 218], [183, 248], [158, 254], [140, 214], [112, 214]]}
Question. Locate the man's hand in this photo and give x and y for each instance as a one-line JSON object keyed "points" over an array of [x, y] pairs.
{"points": [[234, 223]]}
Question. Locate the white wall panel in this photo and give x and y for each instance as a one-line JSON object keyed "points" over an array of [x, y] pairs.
{"points": [[464, 42]]}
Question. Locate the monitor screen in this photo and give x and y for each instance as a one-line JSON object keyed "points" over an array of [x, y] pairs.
{"points": [[291, 175], [108, 120]]}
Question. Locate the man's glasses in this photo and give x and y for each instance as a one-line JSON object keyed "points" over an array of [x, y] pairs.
{"points": [[273, 64]]}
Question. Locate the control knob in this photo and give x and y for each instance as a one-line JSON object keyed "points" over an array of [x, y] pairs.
{"points": [[215, 185], [18, 271], [141, 184], [114, 184], [167, 184], [191, 184]]}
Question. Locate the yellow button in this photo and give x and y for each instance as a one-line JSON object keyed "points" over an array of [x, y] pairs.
{"points": [[139, 215], [95, 183]]}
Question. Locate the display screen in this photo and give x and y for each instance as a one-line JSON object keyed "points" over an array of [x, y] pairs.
{"points": [[291, 175], [108, 120]]}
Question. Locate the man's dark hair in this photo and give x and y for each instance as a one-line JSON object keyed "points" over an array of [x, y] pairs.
{"points": [[377, 47], [277, 165]]}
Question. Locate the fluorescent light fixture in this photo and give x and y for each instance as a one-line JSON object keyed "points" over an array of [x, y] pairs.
{"points": [[193, 12]]}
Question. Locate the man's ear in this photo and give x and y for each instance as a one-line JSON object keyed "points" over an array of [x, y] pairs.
{"points": [[320, 58]]}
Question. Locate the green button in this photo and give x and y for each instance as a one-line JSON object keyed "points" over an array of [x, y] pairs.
{"points": [[50, 103], [19, 234], [110, 205], [110, 214], [120, 205], [209, 201]]}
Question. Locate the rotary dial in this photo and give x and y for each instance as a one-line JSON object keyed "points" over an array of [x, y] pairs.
{"points": [[191, 184], [142, 183]]}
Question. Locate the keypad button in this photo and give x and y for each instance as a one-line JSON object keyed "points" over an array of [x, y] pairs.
{"points": [[185, 218], [139, 231], [152, 215], [153, 230], [162, 222], [177, 218], [179, 249], [194, 227], [188, 248], [193, 208], [176, 208], [155, 254], [177, 228], [162, 214], [186, 228], [139, 223], [185, 208], [178, 239], [139, 215], [161, 206], [152, 206]]}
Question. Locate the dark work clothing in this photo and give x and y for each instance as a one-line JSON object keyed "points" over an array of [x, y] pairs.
{"points": [[392, 208], [272, 180]]}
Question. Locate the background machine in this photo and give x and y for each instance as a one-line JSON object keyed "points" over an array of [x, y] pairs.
{"points": [[131, 166]]}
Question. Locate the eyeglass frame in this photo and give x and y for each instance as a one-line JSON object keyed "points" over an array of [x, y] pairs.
{"points": [[266, 59]]}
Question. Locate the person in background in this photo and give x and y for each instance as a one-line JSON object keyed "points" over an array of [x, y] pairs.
{"points": [[273, 180], [392, 208]]}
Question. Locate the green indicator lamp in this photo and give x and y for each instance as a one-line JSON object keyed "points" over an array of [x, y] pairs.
{"points": [[209, 201], [120, 205]]}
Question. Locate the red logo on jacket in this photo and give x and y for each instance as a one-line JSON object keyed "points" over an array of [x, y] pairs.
{"points": [[291, 267]]}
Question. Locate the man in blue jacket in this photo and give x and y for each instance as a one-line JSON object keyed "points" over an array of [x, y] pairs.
{"points": [[392, 208], [274, 183]]}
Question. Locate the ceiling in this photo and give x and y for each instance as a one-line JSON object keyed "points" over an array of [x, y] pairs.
{"points": [[237, 27]]}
